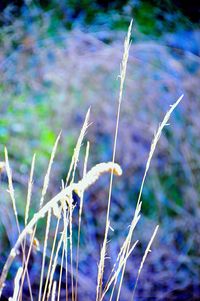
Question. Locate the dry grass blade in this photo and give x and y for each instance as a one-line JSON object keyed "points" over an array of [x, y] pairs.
{"points": [[126, 251], [11, 189], [44, 253], [75, 156], [144, 258], [63, 205], [155, 141], [139, 203], [51, 260], [66, 222], [120, 258], [122, 79], [101, 267], [16, 285], [30, 185], [28, 201], [79, 220], [60, 276], [70, 207], [72, 170], [118, 270], [54, 264], [53, 294], [47, 176]]}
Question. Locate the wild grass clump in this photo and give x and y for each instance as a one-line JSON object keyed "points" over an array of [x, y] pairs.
{"points": [[62, 262]]}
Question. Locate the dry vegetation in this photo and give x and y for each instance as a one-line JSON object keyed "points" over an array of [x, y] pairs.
{"points": [[155, 76]]}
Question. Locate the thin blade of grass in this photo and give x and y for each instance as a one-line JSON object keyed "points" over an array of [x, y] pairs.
{"points": [[152, 150], [79, 220], [11, 189], [144, 258], [60, 275], [124, 251], [54, 264], [64, 208], [71, 249], [66, 222], [72, 170], [116, 273], [51, 260], [44, 253], [29, 193], [53, 294], [30, 186], [75, 156], [16, 285], [122, 79], [47, 176]]}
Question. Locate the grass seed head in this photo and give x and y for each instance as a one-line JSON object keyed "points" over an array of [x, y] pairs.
{"points": [[95, 172]]}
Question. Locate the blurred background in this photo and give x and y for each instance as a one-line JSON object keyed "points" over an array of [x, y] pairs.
{"points": [[57, 58]]}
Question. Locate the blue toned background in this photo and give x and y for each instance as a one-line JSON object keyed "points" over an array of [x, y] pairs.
{"points": [[57, 58]]}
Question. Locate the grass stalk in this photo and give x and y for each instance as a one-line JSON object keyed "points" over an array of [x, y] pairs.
{"points": [[152, 150], [51, 260], [44, 253], [122, 79], [16, 285], [54, 265], [53, 295], [12, 196], [144, 258], [79, 220]]}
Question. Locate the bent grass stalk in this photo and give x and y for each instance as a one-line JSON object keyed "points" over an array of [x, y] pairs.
{"points": [[64, 194]]}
